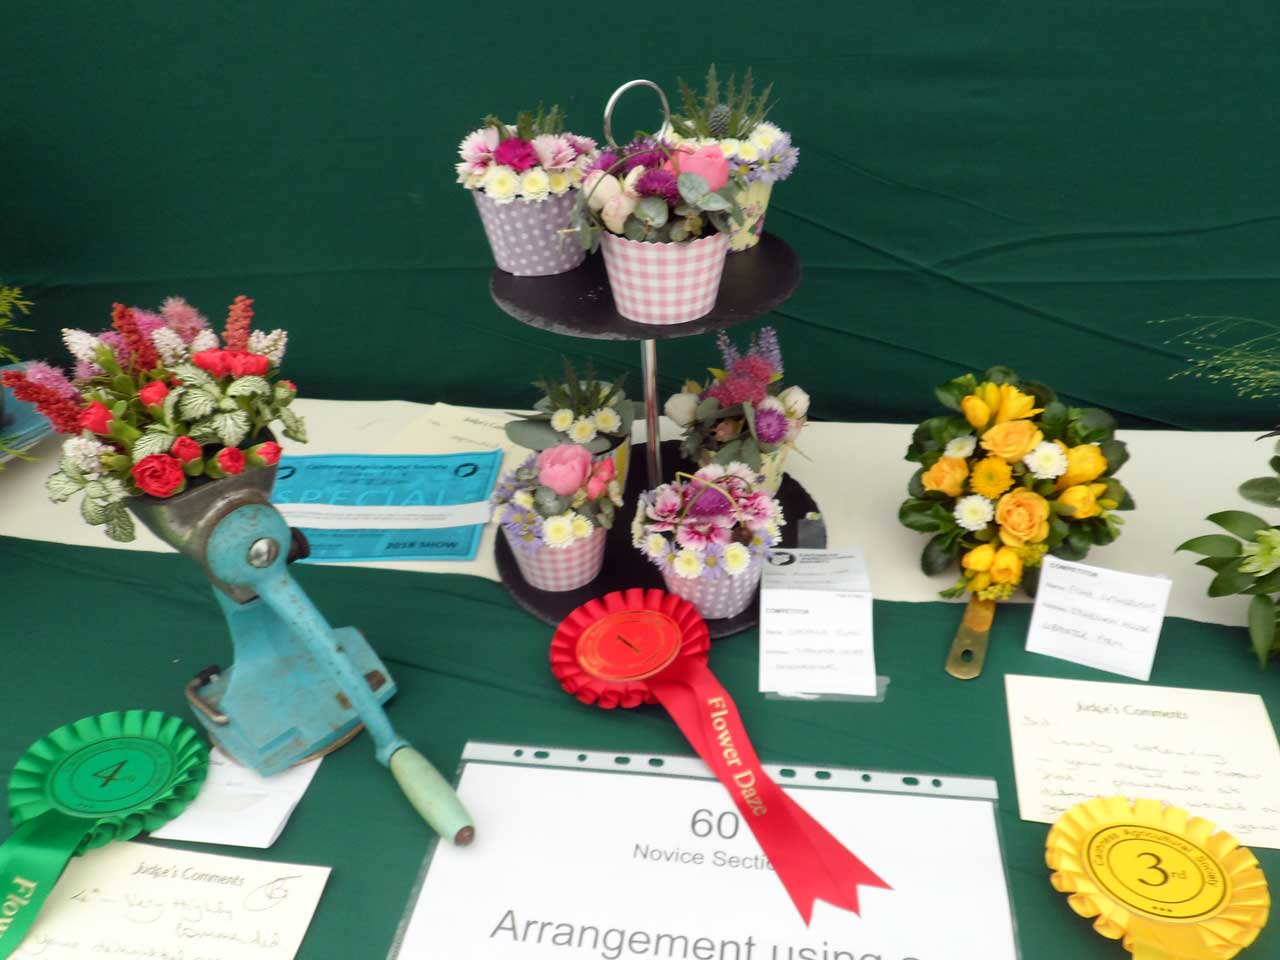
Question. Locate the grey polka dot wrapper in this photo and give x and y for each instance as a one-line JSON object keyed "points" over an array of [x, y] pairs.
{"points": [[717, 599], [525, 234]]}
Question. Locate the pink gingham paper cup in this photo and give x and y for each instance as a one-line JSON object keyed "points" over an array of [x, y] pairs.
{"points": [[663, 283], [525, 234], [558, 570], [721, 598]]}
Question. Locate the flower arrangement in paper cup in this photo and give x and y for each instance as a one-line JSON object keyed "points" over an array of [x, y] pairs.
{"points": [[554, 510], [159, 403], [709, 533], [743, 413], [760, 154], [587, 411], [662, 215], [1011, 474], [524, 179]]}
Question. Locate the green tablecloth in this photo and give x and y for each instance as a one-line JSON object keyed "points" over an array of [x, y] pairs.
{"points": [[87, 630]]}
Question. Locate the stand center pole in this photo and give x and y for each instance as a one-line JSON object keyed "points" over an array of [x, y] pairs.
{"points": [[653, 446]]}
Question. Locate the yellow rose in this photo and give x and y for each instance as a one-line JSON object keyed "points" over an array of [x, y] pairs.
{"points": [[1083, 498], [1084, 463], [1007, 566], [1015, 405], [980, 558], [1012, 440], [1023, 516], [946, 476], [979, 406]]}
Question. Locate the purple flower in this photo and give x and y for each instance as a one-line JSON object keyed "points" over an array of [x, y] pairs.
{"points": [[605, 161], [44, 375], [646, 154], [771, 426], [183, 319], [728, 352], [147, 321], [87, 371], [659, 183], [765, 345], [776, 163], [713, 562], [707, 501]]}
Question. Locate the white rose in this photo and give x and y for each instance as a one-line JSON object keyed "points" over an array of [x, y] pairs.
{"points": [[680, 408], [617, 209], [600, 188], [796, 401], [629, 182]]}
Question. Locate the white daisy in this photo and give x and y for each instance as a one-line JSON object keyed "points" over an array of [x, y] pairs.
{"points": [[562, 419], [557, 532], [655, 545], [535, 185], [729, 147], [1047, 461], [559, 182], [582, 431], [974, 512], [688, 564], [523, 499], [501, 183], [748, 152], [736, 558], [582, 527], [961, 447], [607, 420]]}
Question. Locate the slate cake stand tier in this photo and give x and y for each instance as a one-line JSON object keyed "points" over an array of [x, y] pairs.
{"points": [[626, 567]]}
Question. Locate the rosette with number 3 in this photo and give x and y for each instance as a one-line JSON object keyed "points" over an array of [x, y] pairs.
{"points": [[102, 778], [1166, 884], [646, 646]]}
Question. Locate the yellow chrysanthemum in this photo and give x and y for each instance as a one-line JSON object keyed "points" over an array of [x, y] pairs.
{"points": [[991, 477]]}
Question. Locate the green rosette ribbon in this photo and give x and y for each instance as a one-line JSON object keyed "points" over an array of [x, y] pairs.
{"points": [[103, 778]]}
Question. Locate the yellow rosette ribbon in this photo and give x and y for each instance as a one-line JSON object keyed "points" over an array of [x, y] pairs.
{"points": [[1165, 883]]}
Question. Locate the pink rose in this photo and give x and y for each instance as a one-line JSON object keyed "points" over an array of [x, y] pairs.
{"points": [[604, 469], [708, 162], [159, 475], [153, 394], [564, 468], [185, 449]]}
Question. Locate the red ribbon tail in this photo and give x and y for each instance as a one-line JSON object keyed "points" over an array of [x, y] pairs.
{"points": [[811, 863]]}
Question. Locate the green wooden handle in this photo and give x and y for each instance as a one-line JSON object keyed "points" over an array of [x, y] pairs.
{"points": [[432, 796]]}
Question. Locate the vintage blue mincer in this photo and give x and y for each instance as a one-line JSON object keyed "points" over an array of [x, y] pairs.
{"points": [[298, 687]]}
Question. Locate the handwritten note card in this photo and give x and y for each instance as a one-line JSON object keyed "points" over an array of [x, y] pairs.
{"points": [[1211, 753], [815, 624], [1098, 618], [236, 806], [138, 900]]}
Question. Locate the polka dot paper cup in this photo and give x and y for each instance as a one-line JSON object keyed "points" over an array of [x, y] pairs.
{"points": [[525, 234], [719, 598]]}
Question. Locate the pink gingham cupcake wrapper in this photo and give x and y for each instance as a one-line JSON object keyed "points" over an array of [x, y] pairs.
{"points": [[720, 598], [525, 237], [558, 570], [664, 283]]}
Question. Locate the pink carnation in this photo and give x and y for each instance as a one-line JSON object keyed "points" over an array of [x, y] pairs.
{"points": [[516, 153], [477, 148], [554, 153], [581, 145]]}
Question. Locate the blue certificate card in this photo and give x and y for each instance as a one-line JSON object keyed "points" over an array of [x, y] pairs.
{"points": [[388, 507]]}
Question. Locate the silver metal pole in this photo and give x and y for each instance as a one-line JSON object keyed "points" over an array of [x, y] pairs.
{"points": [[649, 371]]}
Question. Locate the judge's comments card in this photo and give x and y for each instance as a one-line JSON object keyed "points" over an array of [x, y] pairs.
{"points": [[584, 859]]}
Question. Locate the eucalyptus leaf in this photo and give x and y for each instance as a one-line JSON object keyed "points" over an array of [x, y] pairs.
{"points": [[533, 434], [653, 211], [713, 202], [693, 187]]}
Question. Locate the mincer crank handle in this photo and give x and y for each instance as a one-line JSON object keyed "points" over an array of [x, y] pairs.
{"points": [[432, 796]]}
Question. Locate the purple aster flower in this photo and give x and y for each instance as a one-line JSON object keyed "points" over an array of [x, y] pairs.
{"points": [[778, 162], [604, 161], [642, 152], [44, 375], [713, 562], [659, 183], [771, 426]]}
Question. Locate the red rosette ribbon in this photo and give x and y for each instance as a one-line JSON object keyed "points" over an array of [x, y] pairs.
{"points": [[648, 646]]}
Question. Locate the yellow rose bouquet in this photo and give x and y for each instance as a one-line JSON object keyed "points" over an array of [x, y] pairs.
{"points": [[1011, 474]]}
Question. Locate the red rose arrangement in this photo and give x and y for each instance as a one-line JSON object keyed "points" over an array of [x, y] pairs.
{"points": [[159, 402]]}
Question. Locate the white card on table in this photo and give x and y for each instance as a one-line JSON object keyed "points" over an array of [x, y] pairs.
{"points": [[816, 625], [237, 807], [1209, 752], [138, 900], [1098, 618], [581, 859]]}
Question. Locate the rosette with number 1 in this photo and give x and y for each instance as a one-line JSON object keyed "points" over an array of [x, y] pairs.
{"points": [[102, 778], [646, 646]]}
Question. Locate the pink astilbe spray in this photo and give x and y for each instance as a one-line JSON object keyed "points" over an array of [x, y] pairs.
{"points": [[61, 410], [142, 353], [45, 375], [183, 319], [235, 335]]}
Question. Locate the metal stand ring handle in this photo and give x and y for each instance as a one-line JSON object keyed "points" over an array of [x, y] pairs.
{"points": [[613, 100]]}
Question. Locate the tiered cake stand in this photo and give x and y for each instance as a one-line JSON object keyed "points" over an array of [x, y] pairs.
{"points": [[580, 304]]}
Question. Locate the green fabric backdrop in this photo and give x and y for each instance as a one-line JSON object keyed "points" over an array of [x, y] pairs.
{"points": [[980, 182], [471, 665]]}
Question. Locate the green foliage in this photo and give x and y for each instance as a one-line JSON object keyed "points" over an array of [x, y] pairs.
{"points": [[584, 397], [11, 303], [530, 123], [733, 115]]}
